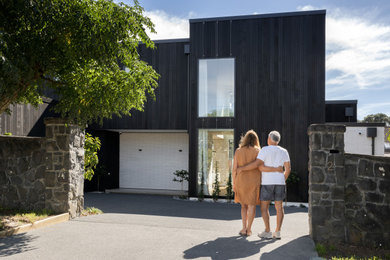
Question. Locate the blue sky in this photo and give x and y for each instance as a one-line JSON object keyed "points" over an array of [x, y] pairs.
{"points": [[357, 39]]}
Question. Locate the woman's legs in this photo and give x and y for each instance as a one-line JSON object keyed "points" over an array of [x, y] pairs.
{"points": [[244, 217], [250, 216]]}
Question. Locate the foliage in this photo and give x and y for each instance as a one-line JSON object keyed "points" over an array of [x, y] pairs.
{"points": [[292, 178], [8, 133], [216, 189], [91, 147], [201, 191], [377, 118], [388, 135], [91, 211], [181, 175], [73, 48], [229, 189], [321, 249]]}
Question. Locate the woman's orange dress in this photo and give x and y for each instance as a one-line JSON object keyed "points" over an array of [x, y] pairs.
{"points": [[247, 183]]}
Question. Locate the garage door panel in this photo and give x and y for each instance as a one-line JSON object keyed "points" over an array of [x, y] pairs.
{"points": [[148, 160]]}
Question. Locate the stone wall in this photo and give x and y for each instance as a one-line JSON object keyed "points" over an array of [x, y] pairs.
{"points": [[37, 173], [349, 194]]}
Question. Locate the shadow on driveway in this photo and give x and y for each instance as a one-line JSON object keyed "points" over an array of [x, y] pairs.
{"points": [[167, 206], [226, 248], [15, 244], [298, 249]]}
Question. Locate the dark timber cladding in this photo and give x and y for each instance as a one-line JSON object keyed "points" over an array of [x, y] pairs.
{"points": [[169, 109], [341, 111], [279, 79]]}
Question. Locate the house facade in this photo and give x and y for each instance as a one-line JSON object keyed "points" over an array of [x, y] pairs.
{"points": [[260, 72]]}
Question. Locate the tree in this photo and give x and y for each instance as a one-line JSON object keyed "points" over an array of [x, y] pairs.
{"points": [[91, 147], [377, 118], [74, 47]]}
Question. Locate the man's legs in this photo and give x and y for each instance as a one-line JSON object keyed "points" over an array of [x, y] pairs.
{"points": [[265, 214], [279, 215]]}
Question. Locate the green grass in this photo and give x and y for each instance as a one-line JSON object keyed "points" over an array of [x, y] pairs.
{"points": [[20, 216], [321, 250], [91, 211], [345, 252]]}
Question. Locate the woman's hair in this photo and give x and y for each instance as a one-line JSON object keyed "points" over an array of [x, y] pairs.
{"points": [[249, 139]]}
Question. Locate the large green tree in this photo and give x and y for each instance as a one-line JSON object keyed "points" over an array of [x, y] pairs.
{"points": [[74, 47], [377, 118]]}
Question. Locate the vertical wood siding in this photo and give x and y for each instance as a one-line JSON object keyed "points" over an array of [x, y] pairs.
{"points": [[279, 80]]}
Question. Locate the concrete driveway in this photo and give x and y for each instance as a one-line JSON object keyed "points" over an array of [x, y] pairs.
{"points": [[159, 227]]}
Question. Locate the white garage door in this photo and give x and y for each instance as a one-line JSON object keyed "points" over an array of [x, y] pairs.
{"points": [[148, 160]]}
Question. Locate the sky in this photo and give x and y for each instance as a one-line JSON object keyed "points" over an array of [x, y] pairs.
{"points": [[357, 39]]}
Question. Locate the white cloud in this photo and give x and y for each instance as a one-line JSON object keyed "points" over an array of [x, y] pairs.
{"points": [[359, 49], [168, 27]]}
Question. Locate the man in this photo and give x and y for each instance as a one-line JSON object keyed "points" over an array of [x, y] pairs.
{"points": [[272, 183]]}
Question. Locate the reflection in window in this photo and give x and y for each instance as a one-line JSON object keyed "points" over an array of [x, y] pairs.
{"points": [[215, 156], [216, 88]]}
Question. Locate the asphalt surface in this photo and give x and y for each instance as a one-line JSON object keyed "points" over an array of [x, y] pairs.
{"points": [[160, 227]]}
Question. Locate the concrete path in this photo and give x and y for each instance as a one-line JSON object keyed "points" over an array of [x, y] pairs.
{"points": [[158, 227]]}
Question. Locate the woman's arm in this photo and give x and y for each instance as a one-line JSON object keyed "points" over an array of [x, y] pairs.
{"points": [[234, 171]]}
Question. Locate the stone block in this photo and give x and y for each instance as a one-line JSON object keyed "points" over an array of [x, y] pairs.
{"points": [[374, 240], [337, 193], [326, 128], [37, 157], [63, 142], [317, 175], [382, 170], [314, 198], [374, 197], [338, 210], [353, 195], [319, 187], [365, 168], [367, 221], [325, 195], [350, 173], [51, 146], [23, 165], [49, 132], [62, 196], [339, 142], [16, 180], [381, 213], [384, 187], [349, 213], [366, 184], [315, 141], [337, 232], [340, 176], [51, 179], [331, 179], [327, 141], [39, 186], [318, 158], [339, 159], [354, 235], [319, 215]]}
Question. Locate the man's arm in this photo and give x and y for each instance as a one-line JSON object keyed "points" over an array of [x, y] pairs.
{"points": [[250, 166], [287, 170], [264, 168]]}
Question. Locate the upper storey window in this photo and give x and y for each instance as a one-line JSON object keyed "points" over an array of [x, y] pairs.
{"points": [[216, 88]]}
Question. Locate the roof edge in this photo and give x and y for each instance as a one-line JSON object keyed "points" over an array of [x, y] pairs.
{"points": [[270, 15]]}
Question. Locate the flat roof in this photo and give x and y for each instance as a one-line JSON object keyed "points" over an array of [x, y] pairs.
{"points": [[172, 40], [340, 102], [256, 16]]}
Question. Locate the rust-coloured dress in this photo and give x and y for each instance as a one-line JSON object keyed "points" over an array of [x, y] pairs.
{"points": [[247, 183]]}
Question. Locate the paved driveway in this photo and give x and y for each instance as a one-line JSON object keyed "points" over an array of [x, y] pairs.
{"points": [[158, 227]]}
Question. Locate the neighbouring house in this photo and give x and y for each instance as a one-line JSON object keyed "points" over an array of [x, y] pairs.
{"points": [[262, 72]]}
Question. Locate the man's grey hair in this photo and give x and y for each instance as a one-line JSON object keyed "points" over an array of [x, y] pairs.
{"points": [[275, 136]]}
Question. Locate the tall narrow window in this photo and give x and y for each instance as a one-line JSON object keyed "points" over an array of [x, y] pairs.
{"points": [[216, 88], [215, 158]]}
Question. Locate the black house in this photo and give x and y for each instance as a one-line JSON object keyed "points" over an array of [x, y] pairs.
{"points": [[260, 72]]}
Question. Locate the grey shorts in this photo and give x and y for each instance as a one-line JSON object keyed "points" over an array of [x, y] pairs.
{"points": [[273, 192]]}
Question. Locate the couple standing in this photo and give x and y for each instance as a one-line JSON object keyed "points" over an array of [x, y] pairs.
{"points": [[258, 179]]}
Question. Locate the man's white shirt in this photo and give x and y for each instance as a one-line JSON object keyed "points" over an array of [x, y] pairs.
{"points": [[273, 156]]}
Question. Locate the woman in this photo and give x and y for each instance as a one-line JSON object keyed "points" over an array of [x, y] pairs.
{"points": [[247, 184]]}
